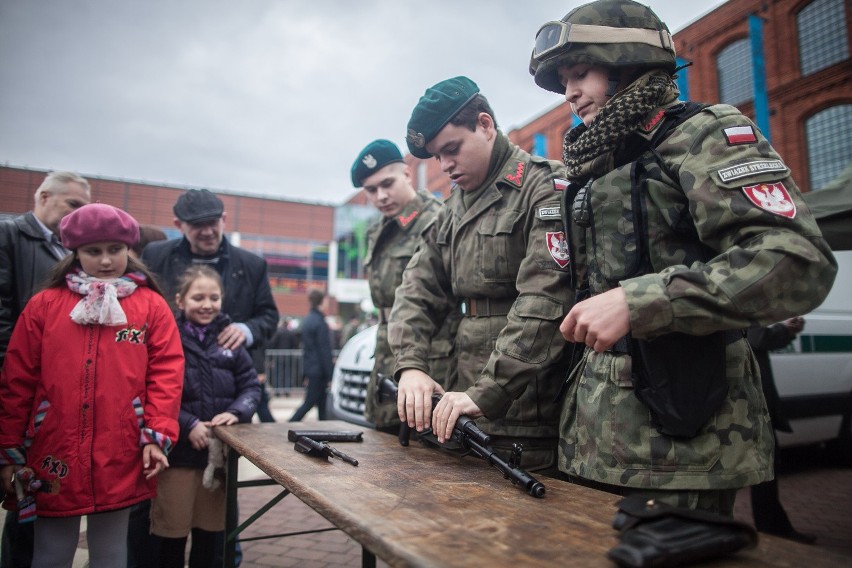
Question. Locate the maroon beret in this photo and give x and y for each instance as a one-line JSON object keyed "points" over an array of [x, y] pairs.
{"points": [[98, 222]]}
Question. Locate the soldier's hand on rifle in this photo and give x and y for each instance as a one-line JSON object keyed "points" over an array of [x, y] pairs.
{"points": [[447, 411], [599, 321], [414, 400]]}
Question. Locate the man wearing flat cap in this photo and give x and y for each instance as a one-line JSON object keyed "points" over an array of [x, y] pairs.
{"points": [[391, 242], [200, 216], [497, 256]]}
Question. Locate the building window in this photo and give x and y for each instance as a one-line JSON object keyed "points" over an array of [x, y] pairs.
{"points": [[822, 35], [734, 68], [829, 143]]}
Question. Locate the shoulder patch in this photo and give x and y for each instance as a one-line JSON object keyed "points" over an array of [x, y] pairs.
{"points": [[736, 135], [560, 184], [547, 212], [772, 197], [404, 220], [751, 168], [517, 178], [654, 120], [557, 246]]}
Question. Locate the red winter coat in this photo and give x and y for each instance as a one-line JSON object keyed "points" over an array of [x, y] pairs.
{"points": [[74, 399]]}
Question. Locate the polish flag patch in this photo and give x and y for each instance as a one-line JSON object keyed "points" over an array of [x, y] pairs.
{"points": [[739, 135], [560, 184], [557, 245], [772, 197]]}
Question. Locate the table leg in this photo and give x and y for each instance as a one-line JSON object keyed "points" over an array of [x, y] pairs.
{"points": [[231, 480]]}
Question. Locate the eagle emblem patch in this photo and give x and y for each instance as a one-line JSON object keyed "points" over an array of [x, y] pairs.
{"points": [[772, 197], [558, 248]]}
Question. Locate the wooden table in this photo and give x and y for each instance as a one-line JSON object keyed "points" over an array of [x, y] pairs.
{"points": [[420, 507]]}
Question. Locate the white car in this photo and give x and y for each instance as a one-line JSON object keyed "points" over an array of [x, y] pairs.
{"points": [[351, 375]]}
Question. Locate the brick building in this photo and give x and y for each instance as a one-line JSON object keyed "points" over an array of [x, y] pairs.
{"points": [[783, 63], [293, 236]]}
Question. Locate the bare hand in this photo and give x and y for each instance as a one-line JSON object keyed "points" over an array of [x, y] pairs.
{"points": [[199, 435], [599, 321], [6, 472], [224, 419], [447, 411], [414, 399], [794, 325], [231, 337], [153, 460]]}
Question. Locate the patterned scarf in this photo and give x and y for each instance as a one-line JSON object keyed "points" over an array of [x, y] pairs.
{"points": [[590, 151], [100, 297]]}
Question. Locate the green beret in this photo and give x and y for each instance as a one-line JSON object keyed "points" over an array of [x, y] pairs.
{"points": [[374, 157], [435, 109]]}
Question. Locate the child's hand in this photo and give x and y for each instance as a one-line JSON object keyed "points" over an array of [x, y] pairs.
{"points": [[224, 419], [153, 460], [198, 436], [6, 472]]}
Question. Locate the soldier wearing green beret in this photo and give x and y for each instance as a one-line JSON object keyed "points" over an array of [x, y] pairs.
{"points": [[496, 255], [391, 242], [689, 229]]}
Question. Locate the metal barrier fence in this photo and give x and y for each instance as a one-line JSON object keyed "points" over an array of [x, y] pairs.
{"points": [[284, 370]]}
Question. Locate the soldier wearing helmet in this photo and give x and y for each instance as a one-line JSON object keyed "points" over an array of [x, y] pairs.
{"points": [[686, 228]]}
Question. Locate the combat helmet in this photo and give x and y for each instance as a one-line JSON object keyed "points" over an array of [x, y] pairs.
{"points": [[607, 33]]}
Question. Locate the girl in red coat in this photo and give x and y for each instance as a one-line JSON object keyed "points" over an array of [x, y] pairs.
{"points": [[89, 393]]}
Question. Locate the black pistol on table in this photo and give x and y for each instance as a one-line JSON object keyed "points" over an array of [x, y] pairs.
{"points": [[311, 447]]}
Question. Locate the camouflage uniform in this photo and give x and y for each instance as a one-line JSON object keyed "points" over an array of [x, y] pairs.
{"points": [[505, 259], [733, 199], [390, 245]]}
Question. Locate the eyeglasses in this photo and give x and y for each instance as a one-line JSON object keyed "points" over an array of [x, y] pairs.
{"points": [[554, 36]]}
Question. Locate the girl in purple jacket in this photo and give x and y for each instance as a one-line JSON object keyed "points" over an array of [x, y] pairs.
{"points": [[220, 388]]}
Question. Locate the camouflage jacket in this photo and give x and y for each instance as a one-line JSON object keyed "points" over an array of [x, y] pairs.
{"points": [[508, 248], [390, 245], [717, 237]]}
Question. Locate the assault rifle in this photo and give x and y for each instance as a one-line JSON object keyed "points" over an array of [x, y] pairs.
{"points": [[468, 435]]}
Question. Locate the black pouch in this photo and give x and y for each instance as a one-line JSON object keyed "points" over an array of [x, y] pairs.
{"points": [[656, 534], [681, 379]]}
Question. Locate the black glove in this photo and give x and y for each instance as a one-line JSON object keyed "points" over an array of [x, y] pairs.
{"points": [[656, 534]]}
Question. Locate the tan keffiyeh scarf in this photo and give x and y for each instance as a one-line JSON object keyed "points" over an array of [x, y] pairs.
{"points": [[590, 151]]}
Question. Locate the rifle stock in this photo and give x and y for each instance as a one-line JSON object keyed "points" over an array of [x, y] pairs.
{"points": [[470, 437]]}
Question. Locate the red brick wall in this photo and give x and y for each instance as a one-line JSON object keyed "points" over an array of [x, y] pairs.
{"points": [[792, 98]]}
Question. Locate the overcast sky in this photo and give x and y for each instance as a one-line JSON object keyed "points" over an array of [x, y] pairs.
{"points": [[263, 97]]}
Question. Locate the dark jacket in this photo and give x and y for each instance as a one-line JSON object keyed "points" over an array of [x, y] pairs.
{"points": [[25, 260], [216, 380], [316, 346], [248, 297], [762, 341]]}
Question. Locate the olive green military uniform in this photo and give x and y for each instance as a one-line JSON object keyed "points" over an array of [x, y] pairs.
{"points": [[504, 259], [391, 242], [731, 245]]}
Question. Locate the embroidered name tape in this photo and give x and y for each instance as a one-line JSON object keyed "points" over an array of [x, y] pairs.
{"points": [[550, 212], [750, 169]]}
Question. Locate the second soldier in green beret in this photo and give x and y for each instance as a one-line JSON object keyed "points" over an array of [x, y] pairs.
{"points": [[498, 256], [391, 242]]}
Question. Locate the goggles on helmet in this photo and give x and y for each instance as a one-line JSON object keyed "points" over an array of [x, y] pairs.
{"points": [[554, 36]]}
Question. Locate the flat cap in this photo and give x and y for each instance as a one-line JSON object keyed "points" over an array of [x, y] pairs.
{"points": [[376, 155], [435, 109], [98, 222], [197, 205]]}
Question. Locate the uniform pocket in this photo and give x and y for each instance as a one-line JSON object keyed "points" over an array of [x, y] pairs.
{"points": [[499, 253], [532, 342]]}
